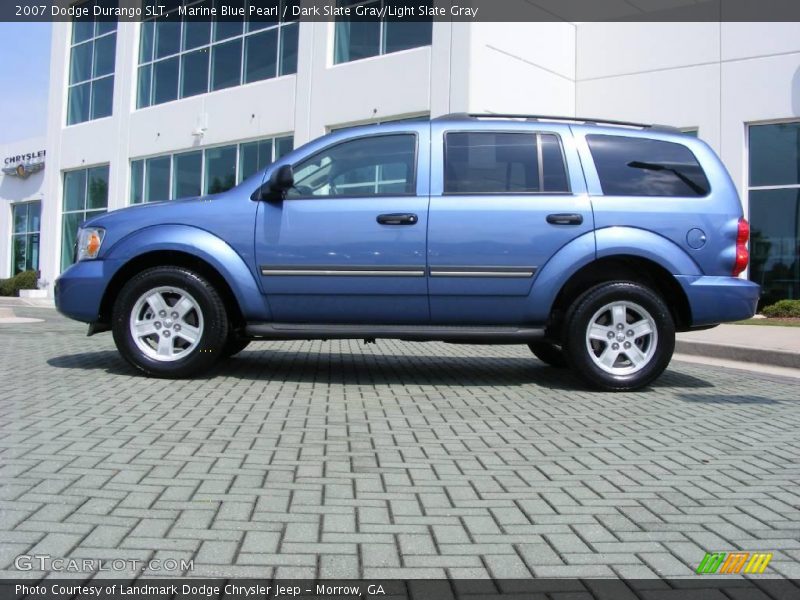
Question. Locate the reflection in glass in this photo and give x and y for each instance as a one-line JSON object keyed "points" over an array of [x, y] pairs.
{"points": [[220, 169]]}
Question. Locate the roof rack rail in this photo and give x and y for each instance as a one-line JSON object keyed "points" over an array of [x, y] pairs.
{"points": [[593, 121]]}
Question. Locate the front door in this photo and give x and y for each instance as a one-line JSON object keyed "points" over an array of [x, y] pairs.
{"points": [[507, 201], [347, 245]]}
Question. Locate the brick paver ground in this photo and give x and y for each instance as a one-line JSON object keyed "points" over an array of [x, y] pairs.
{"points": [[389, 460]]}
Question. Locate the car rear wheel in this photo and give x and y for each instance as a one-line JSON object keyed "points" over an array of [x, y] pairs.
{"points": [[549, 353], [170, 322], [620, 336]]}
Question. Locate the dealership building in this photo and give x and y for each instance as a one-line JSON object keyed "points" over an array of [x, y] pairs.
{"points": [[159, 110]]}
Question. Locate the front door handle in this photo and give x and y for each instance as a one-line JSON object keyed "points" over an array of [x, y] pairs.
{"points": [[398, 219], [565, 219]]}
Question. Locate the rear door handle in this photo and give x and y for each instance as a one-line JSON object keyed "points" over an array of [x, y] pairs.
{"points": [[398, 219], [565, 219]]}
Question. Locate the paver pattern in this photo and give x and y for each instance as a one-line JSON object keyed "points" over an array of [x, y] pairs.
{"points": [[338, 459]]}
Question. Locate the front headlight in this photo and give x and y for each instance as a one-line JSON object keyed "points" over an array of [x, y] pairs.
{"points": [[89, 242]]}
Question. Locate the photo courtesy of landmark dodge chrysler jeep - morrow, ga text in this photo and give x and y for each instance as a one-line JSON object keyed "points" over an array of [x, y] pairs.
{"points": [[592, 242]]}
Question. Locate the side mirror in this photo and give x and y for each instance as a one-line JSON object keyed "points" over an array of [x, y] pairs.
{"points": [[281, 180]]}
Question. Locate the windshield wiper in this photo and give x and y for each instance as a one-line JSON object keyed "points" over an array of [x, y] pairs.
{"points": [[698, 189]]}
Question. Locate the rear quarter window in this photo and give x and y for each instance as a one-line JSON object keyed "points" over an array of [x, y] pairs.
{"points": [[629, 166]]}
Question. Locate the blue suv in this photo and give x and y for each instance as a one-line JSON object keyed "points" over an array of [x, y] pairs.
{"points": [[592, 242]]}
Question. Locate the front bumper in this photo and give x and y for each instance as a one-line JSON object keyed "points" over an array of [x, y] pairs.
{"points": [[79, 290], [716, 300]]}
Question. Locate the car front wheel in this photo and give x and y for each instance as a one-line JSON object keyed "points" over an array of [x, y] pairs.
{"points": [[170, 322], [620, 336]]}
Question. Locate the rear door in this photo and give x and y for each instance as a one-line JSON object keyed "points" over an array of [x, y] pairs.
{"points": [[347, 245], [504, 198]]}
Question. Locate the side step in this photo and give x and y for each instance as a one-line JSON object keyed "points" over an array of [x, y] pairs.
{"points": [[411, 333]]}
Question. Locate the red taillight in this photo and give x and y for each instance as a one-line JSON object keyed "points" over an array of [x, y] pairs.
{"points": [[742, 255]]}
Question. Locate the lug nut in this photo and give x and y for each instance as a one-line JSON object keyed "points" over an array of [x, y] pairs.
{"points": [[627, 345], [177, 327], [174, 315], [630, 332], [615, 346], [620, 326], [162, 313], [611, 335], [166, 333], [157, 324]]}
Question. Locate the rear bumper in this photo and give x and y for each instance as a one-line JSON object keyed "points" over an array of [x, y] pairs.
{"points": [[79, 290], [719, 299]]}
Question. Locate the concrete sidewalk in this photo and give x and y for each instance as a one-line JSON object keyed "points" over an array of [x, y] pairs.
{"points": [[763, 344]]}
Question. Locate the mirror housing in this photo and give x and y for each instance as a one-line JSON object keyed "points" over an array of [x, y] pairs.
{"points": [[280, 181]]}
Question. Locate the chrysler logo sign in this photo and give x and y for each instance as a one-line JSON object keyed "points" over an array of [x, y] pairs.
{"points": [[24, 165]]}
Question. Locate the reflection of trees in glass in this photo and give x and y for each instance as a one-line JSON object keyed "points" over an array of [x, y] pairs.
{"points": [[221, 184], [98, 193]]}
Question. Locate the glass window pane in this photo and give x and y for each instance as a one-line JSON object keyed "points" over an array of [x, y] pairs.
{"points": [[220, 169], [630, 166], [187, 174], [226, 65], [80, 67], [231, 26], [483, 163], [69, 233], [97, 188], [775, 243], [165, 80], [360, 167], [775, 154], [74, 190], [20, 217], [261, 56], [168, 37], [253, 157], [197, 33], [34, 216], [19, 254], [157, 174], [104, 27], [102, 97], [143, 91], [33, 253], [137, 182], [194, 73], [104, 55], [555, 173], [408, 34], [82, 29], [357, 39], [147, 35], [283, 146], [289, 49], [78, 103]]}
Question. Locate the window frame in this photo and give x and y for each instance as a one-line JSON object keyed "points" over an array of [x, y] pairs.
{"points": [[203, 167], [148, 64], [539, 160], [27, 234], [85, 211], [414, 182], [93, 79], [604, 194]]}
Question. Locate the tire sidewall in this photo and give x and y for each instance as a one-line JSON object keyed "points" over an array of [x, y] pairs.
{"points": [[215, 325], [578, 320]]}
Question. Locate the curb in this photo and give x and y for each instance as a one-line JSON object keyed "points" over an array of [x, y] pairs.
{"points": [[777, 358]]}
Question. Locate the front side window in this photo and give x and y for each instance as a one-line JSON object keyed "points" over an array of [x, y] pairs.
{"points": [[182, 56], [85, 196], [774, 200], [90, 93], [210, 171], [503, 163], [370, 166], [362, 37], [630, 166], [26, 218]]}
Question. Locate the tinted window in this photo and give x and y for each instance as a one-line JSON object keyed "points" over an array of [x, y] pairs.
{"points": [[640, 167], [361, 167], [502, 163]]}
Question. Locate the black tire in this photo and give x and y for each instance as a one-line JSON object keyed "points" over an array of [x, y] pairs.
{"points": [[638, 309], [206, 319], [549, 353], [234, 345]]}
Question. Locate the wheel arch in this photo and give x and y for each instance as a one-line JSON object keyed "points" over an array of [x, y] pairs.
{"points": [[623, 267]]}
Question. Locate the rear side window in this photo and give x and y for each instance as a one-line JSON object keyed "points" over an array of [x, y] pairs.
{"points": [[640, 167], [503, 163]]}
